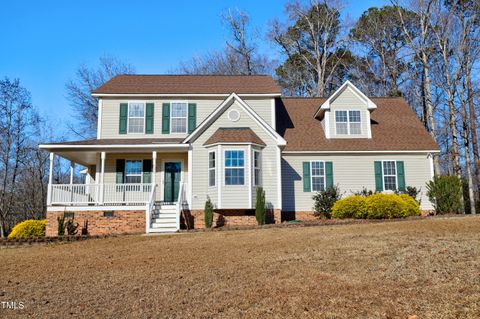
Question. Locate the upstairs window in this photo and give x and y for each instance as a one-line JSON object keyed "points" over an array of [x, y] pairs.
{"points": [[178, 117], [389, 175], [234, 167], [136, 117], [256, 168], [211, 168], [348, 122]]}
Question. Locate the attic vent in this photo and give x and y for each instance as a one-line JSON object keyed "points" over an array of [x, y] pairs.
{"points": [[233, 115]]}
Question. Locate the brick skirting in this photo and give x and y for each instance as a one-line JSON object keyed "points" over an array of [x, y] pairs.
{"points": [[122, 222], [195, 219]]}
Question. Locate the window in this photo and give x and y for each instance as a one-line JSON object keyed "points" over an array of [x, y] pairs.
{"points": [[136, 117], [348, 122], [133, 171], [318, 175], [211, 168], [178, 117], [256, 168], [234, 167], [389, 175]]}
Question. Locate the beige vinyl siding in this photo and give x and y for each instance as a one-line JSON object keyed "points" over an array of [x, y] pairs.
{"points": [[111, 166], [233, 196], [351, 173], [348, 100], [205, 106]]}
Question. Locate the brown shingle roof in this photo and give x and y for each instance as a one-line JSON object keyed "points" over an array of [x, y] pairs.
{"points": [[123, 141], [395, 127], [234, 135], [186, 84]]}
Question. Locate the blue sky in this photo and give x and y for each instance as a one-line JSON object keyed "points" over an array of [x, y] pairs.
{"points": [[43, 42]]}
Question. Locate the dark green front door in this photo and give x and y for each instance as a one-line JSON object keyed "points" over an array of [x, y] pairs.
{"points": [[172, 181]]}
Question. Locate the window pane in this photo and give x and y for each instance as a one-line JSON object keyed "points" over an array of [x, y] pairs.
{"points": [[211, 177], [133, 179], [354, 116], [211, 160], [234, 176], [355, 128], [342, 128], [179, 109], [389, 168], [257, 177], [135, 125], [341, 116], [179, 125], [133, 167], [318, 169], [136, 110], [234, 158], [317, 184], [390, 182]]}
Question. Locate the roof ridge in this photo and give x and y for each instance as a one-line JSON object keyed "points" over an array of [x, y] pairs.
{"points": [[212, 75]]}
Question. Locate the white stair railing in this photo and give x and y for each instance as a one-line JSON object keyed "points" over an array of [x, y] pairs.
{"points": [[179, 206], [149, 209]]}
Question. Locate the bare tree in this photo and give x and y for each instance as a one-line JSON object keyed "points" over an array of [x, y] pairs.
{"points": [[240, 55], [314, 37], [79, 92]]}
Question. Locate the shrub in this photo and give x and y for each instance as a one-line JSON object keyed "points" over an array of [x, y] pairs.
{"points": [[85, 228], [412, 192], [445, 193], [260, 206], [61, 225], [350, 207], [208, 213], [29, 228], [365, 192], [324, 200], [71, 227], [376, 206]]}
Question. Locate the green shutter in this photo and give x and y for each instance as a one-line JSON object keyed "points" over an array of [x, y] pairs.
{"points": [[378, 176], [147, 171], [329, 174], [306, 177], [192, 117], [400, 176], [123, 118], [120, 171], [166, 118], [149, 118]]}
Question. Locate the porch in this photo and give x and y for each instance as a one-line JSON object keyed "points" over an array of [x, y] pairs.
{"points": [[152, 179]]}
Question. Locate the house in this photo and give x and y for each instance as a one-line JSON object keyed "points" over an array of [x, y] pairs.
{"points": [[167, 142]]}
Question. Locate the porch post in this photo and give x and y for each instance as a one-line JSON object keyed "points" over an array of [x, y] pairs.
{"points": [[190, 177], [72, 170], [102, 177], [50, 180], [154, 167]]}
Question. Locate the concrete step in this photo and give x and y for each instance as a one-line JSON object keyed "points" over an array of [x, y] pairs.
{"points": [[162, 230], [165, 220], [164, 213], [164, 224]]}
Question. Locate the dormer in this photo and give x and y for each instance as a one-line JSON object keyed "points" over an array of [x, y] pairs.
{"points": [[346, 113]]}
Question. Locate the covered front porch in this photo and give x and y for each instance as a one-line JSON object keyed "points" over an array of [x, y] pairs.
{"points": [[150, 178]]}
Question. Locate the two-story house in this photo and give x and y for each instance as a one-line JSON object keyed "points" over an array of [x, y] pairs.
{"points": [[167, 142]]}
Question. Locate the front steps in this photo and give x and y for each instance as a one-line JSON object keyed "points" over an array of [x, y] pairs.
{"points": [[164, 218]]}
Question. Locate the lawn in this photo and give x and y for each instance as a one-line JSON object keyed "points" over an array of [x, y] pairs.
{"points": [[429, 268]]}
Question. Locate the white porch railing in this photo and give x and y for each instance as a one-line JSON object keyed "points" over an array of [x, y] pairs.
{"points": [[149, 209], [81, 194], [180, 201]]}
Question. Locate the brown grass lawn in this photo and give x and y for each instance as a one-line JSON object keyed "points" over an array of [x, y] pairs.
{"points": [[429, 268]]}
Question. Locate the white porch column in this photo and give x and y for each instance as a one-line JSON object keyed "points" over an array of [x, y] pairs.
{"points": [[190, 177], [102, 177], [72, 171], [50, 180], [249, 174], [154, 168]]}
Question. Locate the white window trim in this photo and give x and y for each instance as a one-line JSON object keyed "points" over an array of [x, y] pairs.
{"points": [[212, 169], [144, 116], [186, 117], [259, 168], [348, 122], [324, 176], [125, 170], [396, 176], [225, 167]]}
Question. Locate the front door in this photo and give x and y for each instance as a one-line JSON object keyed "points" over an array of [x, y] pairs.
{"points": [[172, 181]]}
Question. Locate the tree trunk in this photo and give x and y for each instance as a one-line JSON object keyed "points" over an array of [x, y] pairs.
{"points": [[473, 128], [471, 195]]}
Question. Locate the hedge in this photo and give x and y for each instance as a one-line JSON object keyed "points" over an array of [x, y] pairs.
{"points": [[29, 228]]}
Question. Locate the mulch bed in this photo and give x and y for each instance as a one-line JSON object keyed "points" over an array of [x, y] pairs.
{"points": [[19, 242]]}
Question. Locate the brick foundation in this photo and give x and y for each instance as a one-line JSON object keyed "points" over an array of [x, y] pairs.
{"points": [[299, 215], [122, 222], [195, 219]]}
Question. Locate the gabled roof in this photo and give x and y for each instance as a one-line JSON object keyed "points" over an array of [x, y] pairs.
{"points": [[326, 104], [189, 84], [395, 127], [234, 135], [224, 106]]}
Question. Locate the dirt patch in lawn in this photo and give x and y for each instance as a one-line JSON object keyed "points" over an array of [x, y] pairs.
{"points": [[429, 268]]}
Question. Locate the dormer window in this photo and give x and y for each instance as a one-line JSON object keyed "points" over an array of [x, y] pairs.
{"points": [[348, 122]]}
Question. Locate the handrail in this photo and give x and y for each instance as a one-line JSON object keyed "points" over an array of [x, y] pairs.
{"points": [[149, 208], [179, 204]]}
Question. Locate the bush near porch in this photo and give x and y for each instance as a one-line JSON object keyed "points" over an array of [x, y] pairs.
{"points": [[29, 228], [376, 206]]}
